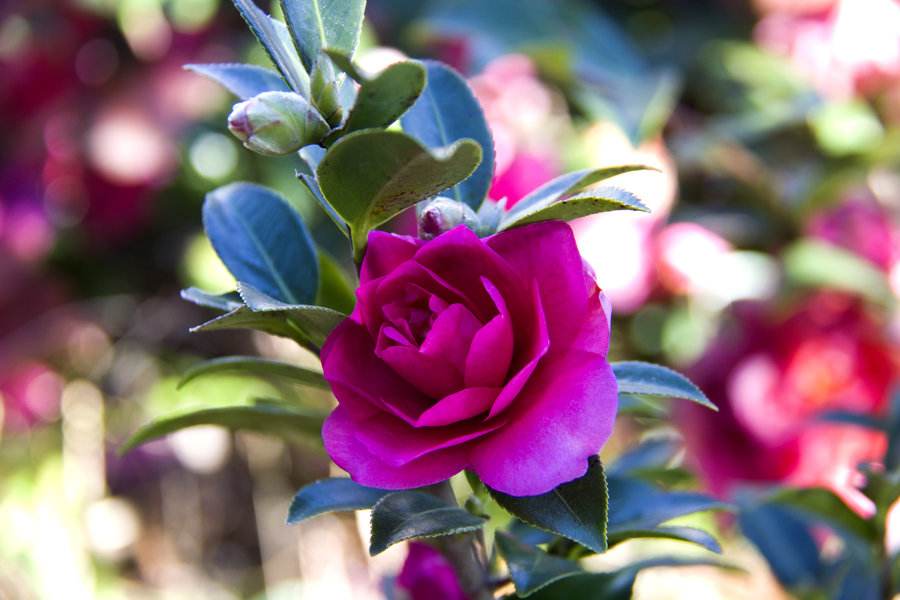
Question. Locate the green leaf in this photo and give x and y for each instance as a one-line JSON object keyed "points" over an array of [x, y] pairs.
{"points": [[345, 63], [406, 515], [371, 175], [531, 568], [315, 323], [568, 185], [260, 418], [635, 377], [320, 24], [262, 241], [576, 510], [253, 365], [244, 81], [596, 201], [447, 112], [275, 38], [335, 289], [229, 301], [684, 534], [637, 505], [383, 99], [816, 263], [330, 495], [650, 453]]}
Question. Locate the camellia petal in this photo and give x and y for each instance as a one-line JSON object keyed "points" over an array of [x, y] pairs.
{"points": [[564, 415]]}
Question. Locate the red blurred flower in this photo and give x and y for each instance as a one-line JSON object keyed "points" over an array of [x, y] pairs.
{"points": [[771, 376]]}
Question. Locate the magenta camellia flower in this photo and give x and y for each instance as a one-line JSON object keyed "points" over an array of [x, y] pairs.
{"points": [[468, 353], [427, 575]]}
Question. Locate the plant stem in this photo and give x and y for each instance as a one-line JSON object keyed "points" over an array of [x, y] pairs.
{"points": [[464, 553]]}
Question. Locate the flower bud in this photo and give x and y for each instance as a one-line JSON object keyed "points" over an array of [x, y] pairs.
{"points": [[443, 214], [276, 123]]}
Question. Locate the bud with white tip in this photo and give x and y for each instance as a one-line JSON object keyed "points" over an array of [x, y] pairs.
{"points": [[276, 123], [443, 214]]}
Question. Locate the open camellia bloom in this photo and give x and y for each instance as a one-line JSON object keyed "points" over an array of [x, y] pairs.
{"points": [[468, 353]]}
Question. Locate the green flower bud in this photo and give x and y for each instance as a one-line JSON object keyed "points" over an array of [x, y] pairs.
{"points": [[276, 123], [443, 214]]}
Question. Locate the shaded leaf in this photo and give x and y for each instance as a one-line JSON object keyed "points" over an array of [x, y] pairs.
{"points": [[531, 568], [262, 241], [335, 289], [785, 541], [259, 418], [684, 534], [401, 516], [825, 505], [635, 377], [576, 510], [345, 63], [654, 452], [635, 504], [253, 365], [371, 175], [447, 112], [320, 24], [244, 81], [330, 495], [582, 205]]}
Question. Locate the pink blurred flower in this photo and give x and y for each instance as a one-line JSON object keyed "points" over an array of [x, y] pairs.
{"points": [[630, 278], [30, 394], [861, 225], [525, 119], [427, 575], [684, 252], [844, 47], [771, 376]]}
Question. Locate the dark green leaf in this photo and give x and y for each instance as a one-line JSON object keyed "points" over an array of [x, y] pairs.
{"points": [[407, 515], [262, 241], [448, 112], [244, 81], [369, 176], [383, 99], [229, 301], [596, 201], [531, 568], [576, 510], [335, 289], [847, 417], [253, 365], [635, 504], [614, 585], [330, 495], [636, 377], [260, 418], [274, 37], [568, 185], [684, 534], [320, 24]]}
